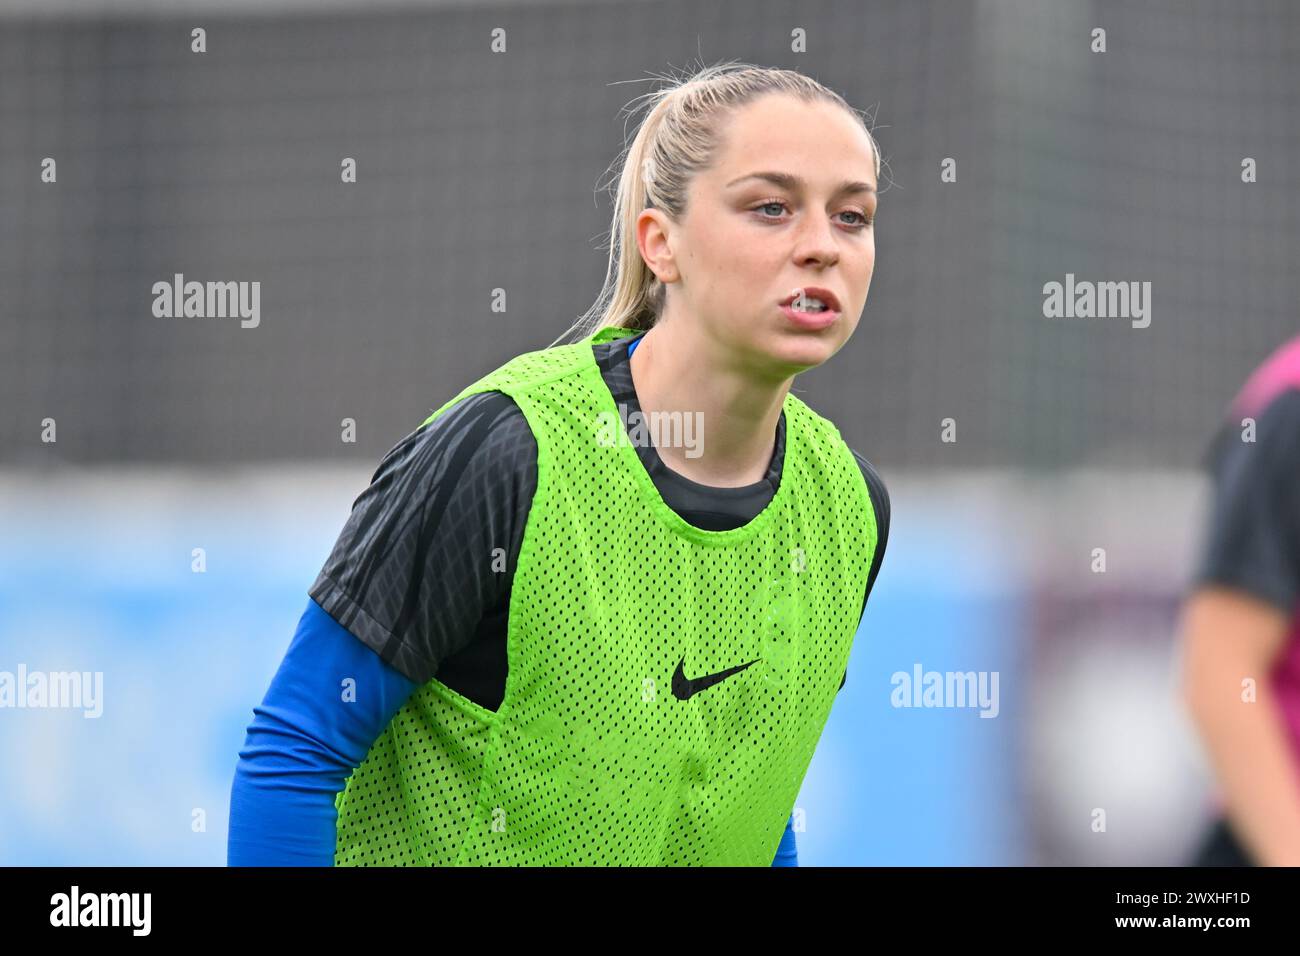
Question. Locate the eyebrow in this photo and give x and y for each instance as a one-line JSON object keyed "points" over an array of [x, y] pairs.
{"points": [[788, 181]]}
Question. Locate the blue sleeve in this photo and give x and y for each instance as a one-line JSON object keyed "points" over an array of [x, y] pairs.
{"points": [[306, 738], [786, 854]]}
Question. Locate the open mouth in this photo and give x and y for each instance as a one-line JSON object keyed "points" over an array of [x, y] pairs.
{"points": [[812, 300]]}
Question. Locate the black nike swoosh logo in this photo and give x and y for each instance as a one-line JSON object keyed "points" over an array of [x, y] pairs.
{"points": [[686, 687]]}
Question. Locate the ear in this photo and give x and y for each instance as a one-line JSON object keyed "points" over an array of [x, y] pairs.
{"points": [[654, 234]]}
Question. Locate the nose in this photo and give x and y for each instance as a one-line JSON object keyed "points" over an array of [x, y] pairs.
{"points": [[815, 243]]}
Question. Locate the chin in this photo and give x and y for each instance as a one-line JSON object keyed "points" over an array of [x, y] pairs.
{"points": [[804, 350]]}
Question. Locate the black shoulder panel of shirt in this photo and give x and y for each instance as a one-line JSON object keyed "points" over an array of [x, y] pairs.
{"points": [[1253, 538], [427, 557], [430, 547], [880, 504]]}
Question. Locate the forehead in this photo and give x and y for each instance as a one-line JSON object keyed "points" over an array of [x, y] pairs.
{"points": [[816, 141]]}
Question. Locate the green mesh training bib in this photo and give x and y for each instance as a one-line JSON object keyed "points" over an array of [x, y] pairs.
{"points": [[666, 685]]}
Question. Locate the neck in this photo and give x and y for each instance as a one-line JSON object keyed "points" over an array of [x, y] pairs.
{"points": [[679, 369]]}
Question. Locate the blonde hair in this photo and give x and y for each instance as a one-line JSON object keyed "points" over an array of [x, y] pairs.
{"points": [[677, 139]]}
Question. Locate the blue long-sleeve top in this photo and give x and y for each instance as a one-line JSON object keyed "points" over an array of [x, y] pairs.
{"points": [[307, 736]]}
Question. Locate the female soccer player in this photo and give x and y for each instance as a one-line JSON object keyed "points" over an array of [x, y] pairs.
{"points": [[542, 641]]}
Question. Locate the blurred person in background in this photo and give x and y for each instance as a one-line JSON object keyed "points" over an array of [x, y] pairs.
{"points": [[1241, 624]]}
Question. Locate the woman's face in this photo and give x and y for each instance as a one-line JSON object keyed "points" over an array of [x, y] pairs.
{"points": [[748, 242]]}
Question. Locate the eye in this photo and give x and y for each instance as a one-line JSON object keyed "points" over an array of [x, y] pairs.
{"points": [[771, 202], [865, 220]]}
